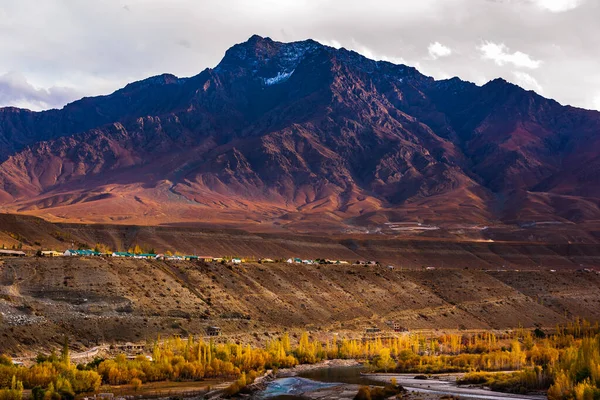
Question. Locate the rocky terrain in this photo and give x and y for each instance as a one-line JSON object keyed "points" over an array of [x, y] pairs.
{"points": [[301, 137], [102, 301], [508, 249], [485, 200]]}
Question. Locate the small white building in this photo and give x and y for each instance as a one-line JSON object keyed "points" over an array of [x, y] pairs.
{"points": [[12, 253]]}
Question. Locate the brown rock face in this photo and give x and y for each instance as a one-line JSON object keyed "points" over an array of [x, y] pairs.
{"points": [[304, 136]]}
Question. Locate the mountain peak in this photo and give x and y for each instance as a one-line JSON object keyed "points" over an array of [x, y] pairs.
{"points": [[158, 80], [266, 57], [257, 39]]}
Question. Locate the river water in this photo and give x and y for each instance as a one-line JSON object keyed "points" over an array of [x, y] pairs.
{"points": [[309, 381], [292, 388], [350, 375]]}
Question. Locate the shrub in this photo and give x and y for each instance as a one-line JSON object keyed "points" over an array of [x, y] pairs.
{"points": [[378, 393], [136, 384]]}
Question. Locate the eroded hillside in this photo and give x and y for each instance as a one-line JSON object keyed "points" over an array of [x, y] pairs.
{"points": [[109, 300]]}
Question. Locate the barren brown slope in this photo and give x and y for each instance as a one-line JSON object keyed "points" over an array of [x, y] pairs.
{"points": [[409, 251], [412, 250], [105, 300], [31, 233]]}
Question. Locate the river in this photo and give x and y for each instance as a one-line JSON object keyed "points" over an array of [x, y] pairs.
{"points": [[343, 383]]}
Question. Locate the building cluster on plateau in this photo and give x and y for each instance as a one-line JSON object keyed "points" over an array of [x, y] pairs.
{"points": [[179, 257]]}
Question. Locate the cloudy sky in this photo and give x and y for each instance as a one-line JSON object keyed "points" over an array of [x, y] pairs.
{"points": [[55, 51]]}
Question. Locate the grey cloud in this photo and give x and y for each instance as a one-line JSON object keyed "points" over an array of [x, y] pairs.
{"points": [[16, 90], [185, 43], [97, 47]]}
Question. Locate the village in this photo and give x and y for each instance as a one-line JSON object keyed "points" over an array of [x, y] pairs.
{"points": [[181, 257]]}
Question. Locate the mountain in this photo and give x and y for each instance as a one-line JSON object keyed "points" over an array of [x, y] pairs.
{"points": [[305, 137]]}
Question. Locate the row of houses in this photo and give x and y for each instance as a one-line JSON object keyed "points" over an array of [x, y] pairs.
{"points": [[316, 261], [125, 254], [296, 260], [177, 257], [235, 260]]}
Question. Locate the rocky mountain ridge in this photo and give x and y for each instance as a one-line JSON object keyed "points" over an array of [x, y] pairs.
{"points": [[304, 137]]}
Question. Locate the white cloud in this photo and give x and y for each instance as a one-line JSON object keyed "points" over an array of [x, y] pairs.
{"points": [[501, 55], [367, 52], [527, 81], [437, 50], [331, 43], [596, 102], [363, 50], [558, 5], [16, 90]]}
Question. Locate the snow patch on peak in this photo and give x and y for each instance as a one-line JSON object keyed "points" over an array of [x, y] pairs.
{"points": [[280, 77]]}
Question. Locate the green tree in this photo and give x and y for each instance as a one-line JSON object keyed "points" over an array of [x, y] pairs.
{"points": [[65, 356]]}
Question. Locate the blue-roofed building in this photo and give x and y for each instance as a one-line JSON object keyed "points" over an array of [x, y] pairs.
{"points": [[82, 253]]}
